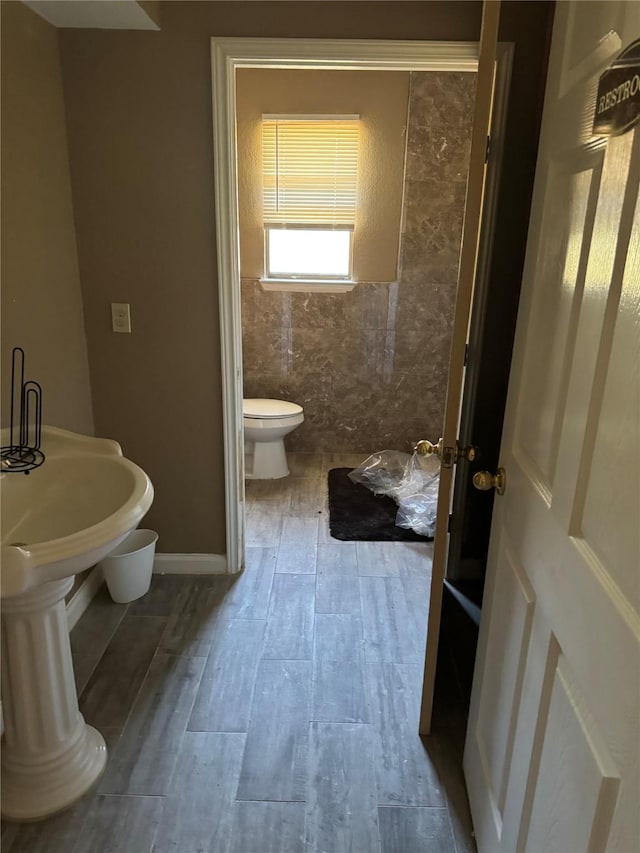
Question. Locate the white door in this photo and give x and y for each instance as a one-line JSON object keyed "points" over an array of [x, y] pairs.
{"points": [[553, 743], [466, 279]]}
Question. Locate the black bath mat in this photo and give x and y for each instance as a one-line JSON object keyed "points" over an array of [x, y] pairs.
{"points": [[356, 514]]}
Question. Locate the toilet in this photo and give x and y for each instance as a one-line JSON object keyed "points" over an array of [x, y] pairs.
{"points": [[266, 422]]}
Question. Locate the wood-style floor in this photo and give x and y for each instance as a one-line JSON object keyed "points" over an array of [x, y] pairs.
{"points": [[273, 713]]}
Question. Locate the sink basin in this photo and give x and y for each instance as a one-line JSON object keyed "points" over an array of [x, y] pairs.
{"points": [[61, 518], [68, 514]]}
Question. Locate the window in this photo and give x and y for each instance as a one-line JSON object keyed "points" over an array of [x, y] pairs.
{"points": [[309, 167]]}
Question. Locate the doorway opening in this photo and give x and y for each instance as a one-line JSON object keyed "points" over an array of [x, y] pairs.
{"points": [[228, 57]]}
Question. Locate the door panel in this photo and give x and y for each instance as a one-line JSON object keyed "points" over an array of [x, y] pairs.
{"points": [[598, 315], [553, 740], [555, 311], [507, 645], [603, 491], [578, 804]]}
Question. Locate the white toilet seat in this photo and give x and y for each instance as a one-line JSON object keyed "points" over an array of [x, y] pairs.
{"points": [[259, 407]]}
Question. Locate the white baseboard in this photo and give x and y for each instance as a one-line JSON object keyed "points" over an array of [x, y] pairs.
{"points": [[82, 597], [190, 564]]}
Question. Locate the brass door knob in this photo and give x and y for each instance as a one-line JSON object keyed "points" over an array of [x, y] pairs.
{"points": [[427, 448], [485, 481]]}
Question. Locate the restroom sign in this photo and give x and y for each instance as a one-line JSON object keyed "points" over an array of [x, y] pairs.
{"points": [[618, 100]]}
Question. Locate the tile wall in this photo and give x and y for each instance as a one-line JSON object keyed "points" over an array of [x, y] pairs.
{"points": [[370, 366]]}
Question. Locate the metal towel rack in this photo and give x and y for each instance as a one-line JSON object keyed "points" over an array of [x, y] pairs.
{"points": [[23, 453]]}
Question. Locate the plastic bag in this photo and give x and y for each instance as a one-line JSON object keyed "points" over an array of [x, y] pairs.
{"points": [[418, 512], [381, 472], [418, 475], [412, 482]]}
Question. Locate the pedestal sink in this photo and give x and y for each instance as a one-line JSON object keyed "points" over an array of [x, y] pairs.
{"points": [[57, 521]]}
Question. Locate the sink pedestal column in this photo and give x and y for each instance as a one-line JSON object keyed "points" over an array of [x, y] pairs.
{"points": [[50, 757]]}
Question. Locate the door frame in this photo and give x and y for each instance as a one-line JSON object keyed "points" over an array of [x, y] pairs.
{"points": [[228, 55]]}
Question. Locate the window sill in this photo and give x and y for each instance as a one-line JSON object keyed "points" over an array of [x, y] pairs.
{"points": [[307, 285]]}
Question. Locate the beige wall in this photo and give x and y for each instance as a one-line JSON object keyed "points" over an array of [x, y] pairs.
{"points": [[380, 99], [139, 124], [41, 299]]}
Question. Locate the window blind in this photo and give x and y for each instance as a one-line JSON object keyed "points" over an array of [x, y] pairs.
{"points": [[310, 171]]}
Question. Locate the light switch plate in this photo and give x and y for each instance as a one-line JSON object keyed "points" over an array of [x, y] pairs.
{"points": [[120, 317]]}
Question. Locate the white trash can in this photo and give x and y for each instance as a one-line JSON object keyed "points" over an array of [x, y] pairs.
{"points": [[128, 568]]}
